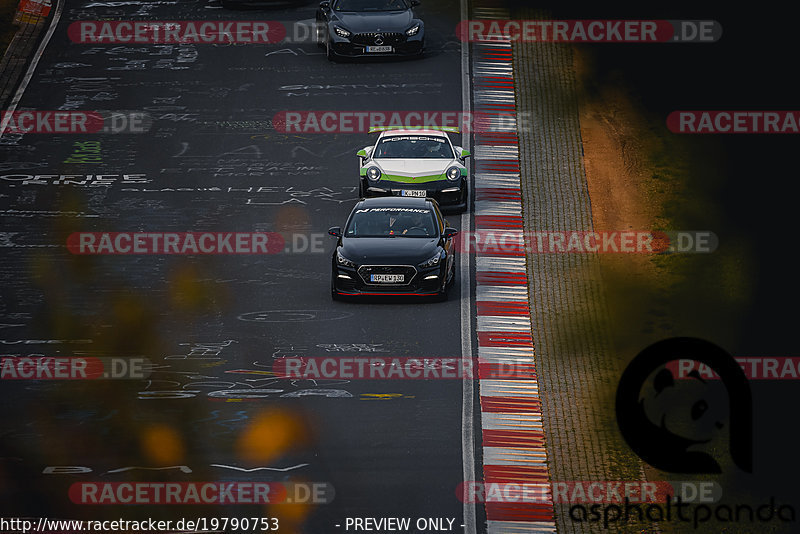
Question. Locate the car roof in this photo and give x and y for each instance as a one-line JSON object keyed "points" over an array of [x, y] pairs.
{"points": [[413, 131], [396, 202]]}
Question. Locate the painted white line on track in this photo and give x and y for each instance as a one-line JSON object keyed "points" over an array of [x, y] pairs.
{"points": [[468, 392]]}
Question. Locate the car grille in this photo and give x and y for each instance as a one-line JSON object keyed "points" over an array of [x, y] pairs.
{"points": [[388, 38], [365, 270]]}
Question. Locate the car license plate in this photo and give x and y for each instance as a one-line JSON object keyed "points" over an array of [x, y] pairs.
{"points": [[413, 193], [379, 49], [387, 278]]}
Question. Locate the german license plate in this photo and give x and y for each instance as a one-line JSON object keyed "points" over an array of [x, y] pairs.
{"points": [[379, 49], [387, 278], [413, 193]]}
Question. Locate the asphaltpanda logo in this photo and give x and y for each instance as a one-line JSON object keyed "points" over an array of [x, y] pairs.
{"points": [[675, 423], [682, 423]]}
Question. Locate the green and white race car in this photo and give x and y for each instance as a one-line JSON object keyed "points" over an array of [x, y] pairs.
{"points": [[415, 162]]}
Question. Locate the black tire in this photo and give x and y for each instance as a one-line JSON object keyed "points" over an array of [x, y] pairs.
{"points": [[442, 295], [444, 292], [452, 281], [318, 34], [330, 55], [448, 284], [361, 192]]}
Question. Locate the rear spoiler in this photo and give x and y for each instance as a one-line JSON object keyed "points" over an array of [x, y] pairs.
{"points": [[450, 129]]}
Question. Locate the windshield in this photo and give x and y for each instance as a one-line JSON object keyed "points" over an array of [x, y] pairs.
{"points": [[370, 5], [413, 146], [391, 222]]}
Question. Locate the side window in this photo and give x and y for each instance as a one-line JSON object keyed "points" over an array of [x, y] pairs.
{"points": [[350, 227]]}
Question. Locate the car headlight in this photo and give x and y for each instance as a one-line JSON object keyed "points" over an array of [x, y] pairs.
{"points": [[453, 173], [433, 261], [413, 30], [341, 32], [374, 174], [341, 260]]}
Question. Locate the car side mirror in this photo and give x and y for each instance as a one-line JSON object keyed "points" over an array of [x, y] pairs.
{"points": [[449, 232], [364, 154], [465, 154], [335, 231]]}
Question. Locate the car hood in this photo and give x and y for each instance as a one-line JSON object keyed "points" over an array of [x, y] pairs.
{"points": [[382, 21], [389, 250], [414, 167]]}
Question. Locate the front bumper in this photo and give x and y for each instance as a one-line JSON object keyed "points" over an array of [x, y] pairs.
{"points": [[447, 194], [351, 281], [356, 45]]}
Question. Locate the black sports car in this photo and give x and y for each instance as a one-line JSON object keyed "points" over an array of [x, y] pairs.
{"points": [[394, 246], [359, 28]]}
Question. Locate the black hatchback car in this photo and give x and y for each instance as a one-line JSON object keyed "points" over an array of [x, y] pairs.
{"points": [[362, 28], [394, 246]]}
